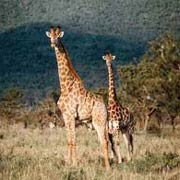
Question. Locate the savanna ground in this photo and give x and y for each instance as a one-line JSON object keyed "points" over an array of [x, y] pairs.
{"points": [[35, 154]]}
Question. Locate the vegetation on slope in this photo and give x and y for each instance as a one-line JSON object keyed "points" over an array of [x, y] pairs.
{"points": [[28, 61], [152, 86], [138, 19], [91, 27]]}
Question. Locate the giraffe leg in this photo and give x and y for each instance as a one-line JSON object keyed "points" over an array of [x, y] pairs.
{"points": [[131, 143], [128, 138], [70, 128], [113, 152], [115, 149], [99, 120], [101, 131]]}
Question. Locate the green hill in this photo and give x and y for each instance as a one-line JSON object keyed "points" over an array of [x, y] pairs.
{"points": [[91, 28], [27, 60], [126, 18]]}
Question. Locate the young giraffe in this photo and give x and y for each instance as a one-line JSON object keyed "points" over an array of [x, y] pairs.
{"points": [[75, 101], [120, 119]]}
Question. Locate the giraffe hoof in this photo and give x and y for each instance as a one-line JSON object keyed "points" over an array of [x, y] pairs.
{"points": [[116, 161], [129, 157], [120, 161]]}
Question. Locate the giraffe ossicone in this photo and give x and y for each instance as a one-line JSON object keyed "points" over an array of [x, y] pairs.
{"points": [[111, 57]]}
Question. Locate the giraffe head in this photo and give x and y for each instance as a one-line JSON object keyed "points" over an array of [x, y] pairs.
{"points": [[54, 33], [108, 58]]}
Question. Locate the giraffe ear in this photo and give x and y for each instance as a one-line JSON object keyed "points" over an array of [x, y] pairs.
{"points": [[48, 34], [113, 57], [61, 34], [104, 57]]}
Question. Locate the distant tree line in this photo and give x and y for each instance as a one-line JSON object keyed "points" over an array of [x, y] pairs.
{"points": [[152, 87]]}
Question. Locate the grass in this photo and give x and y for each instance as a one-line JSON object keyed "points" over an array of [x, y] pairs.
{"points": [[34, 154]]}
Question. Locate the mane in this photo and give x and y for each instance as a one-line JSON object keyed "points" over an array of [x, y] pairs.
{"points": [[62, 48]]}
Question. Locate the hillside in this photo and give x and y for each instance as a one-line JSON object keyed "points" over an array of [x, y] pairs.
{"points": [[126, 18], [91, 28], [28, 61]]}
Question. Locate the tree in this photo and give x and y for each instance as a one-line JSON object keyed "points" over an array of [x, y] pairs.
{"points": [[154, 83], [11, 105]]}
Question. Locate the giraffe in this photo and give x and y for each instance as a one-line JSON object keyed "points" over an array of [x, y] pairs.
{"points": [[120, 120], [75, 102]]}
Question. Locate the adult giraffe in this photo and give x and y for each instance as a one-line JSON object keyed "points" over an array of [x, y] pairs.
{"points": [[75, 101]]}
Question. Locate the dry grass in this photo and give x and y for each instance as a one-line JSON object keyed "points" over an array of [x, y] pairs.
{"points": [[33, 154]]}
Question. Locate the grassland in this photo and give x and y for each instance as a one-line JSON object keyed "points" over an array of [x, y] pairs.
{"points": [[34, 154]]}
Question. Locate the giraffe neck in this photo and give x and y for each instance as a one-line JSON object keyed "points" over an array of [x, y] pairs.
{"points": [[67, 74], [112, 91]]}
